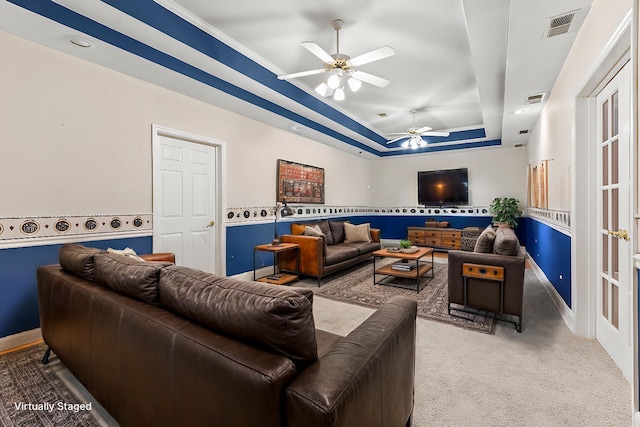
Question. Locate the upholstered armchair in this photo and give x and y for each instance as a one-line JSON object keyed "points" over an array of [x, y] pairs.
{"points": [[489, 283]]}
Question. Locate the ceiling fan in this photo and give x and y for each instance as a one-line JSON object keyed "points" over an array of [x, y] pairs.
{"points": [[414, 135], [342, 67]]}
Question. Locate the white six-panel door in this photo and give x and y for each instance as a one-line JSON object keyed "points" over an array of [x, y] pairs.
{"points": [[184, 191]]}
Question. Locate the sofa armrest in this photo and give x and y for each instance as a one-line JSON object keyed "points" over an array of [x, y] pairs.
{"points": [[375, 234], [353, 384], [514, 266], [160, 256], [311, 254]]}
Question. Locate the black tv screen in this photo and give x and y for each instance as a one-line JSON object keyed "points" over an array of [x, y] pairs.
{"points": [[443, 187]]}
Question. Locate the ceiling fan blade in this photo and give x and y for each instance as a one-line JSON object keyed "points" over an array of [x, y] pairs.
{"points": [[369, 78], [301, 74], [423, 129], [397, 139], [319, 52], [374, 55], [399, 133], [435, 134]]}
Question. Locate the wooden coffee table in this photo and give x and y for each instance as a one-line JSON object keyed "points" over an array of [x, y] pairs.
{"points": [[422, 267]]}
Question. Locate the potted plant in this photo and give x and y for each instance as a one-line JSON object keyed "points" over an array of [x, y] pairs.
{"points": [[505, 210], [405, 244]]}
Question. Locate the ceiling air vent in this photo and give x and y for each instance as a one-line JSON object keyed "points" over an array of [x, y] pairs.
{"points": [[524, 132], [518, 145], [534, 99], [559, 24]]}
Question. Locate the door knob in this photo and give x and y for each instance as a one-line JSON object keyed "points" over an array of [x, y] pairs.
{"points": [[211, 224], [620, 234]]}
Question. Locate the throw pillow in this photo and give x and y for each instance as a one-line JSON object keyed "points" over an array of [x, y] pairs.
{"points": [[484, 244], [125, 252], [313, 231], [326, 229], [506, 242], [356, 233], [337, 230]]}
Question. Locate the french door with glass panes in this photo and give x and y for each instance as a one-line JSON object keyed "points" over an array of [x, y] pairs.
{"points": [[614, 281]]}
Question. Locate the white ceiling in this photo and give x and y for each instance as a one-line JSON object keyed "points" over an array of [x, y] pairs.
{"points": [[466, 65]]}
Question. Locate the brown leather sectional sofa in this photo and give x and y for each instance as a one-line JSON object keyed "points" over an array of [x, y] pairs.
{"points": [[163, 345], [323, 255]]}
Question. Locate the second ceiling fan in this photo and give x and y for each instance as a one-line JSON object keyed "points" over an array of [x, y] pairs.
{"points": [[342, 67], [414, 135]]}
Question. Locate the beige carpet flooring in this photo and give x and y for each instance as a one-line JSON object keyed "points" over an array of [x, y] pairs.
{"points": [[544, 376]]}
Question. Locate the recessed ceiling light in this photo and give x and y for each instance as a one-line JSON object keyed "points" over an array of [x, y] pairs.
{"points": [[81, 42], [518, 112]]}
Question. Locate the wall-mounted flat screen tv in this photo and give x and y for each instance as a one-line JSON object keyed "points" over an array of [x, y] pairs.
{"points": [[448, 187]]}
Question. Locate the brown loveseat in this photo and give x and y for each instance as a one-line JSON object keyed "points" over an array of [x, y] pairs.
{"points": [[490, 278], [330, 251], [163, 345]]}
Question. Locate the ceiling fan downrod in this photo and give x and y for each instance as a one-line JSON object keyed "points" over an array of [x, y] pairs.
{"points": [[337, 25]]}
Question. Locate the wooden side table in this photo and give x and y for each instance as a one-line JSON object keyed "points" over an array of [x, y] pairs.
{"points": [[277, 278]]}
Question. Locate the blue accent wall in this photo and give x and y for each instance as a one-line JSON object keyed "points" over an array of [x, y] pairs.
{"points": [[551, 251], [18, 286]]}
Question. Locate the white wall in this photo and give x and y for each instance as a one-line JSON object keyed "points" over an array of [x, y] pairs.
{"points": [[492, 173], [76, 140], [553, 135]]}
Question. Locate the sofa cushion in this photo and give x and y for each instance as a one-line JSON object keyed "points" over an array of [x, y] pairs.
{"points": [[364, 247], [337, 230], [78, 260], [356, 233], [129, 276], [506, 242], [271, 317], [326, 230], [339, 253], [484, 244]]}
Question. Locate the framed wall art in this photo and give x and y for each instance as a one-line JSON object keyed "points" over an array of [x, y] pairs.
{"points": [[298, 183]]}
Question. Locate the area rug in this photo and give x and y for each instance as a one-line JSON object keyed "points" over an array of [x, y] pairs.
{"points": [[33, 394], [355, 286]]}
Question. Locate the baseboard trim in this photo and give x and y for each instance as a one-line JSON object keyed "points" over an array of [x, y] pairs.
{"points": [[248, 275], [13, 341], [567, 314]]}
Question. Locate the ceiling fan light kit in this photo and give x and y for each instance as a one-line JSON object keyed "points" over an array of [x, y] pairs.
{"points": [[342, 67], [413, 136]]}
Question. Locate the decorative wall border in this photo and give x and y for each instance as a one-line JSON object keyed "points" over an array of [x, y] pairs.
{"points": [[560, 220], [244, 215], [37, 227]]}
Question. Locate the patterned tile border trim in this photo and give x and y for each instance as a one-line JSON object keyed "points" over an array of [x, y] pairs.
{"points": [[72, 225], [266, 213], [560, 220]]}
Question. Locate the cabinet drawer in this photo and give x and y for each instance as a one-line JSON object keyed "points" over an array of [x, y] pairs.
{"points": [[451, 243], [452, 234], [415, 235], [432, 241], [433, 233]]}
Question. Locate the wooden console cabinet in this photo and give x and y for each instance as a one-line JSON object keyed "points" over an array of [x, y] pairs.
{"points": [[433, 237]]}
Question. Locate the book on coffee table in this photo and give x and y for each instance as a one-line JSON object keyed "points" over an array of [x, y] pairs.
{"points": [[404, 266]]}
